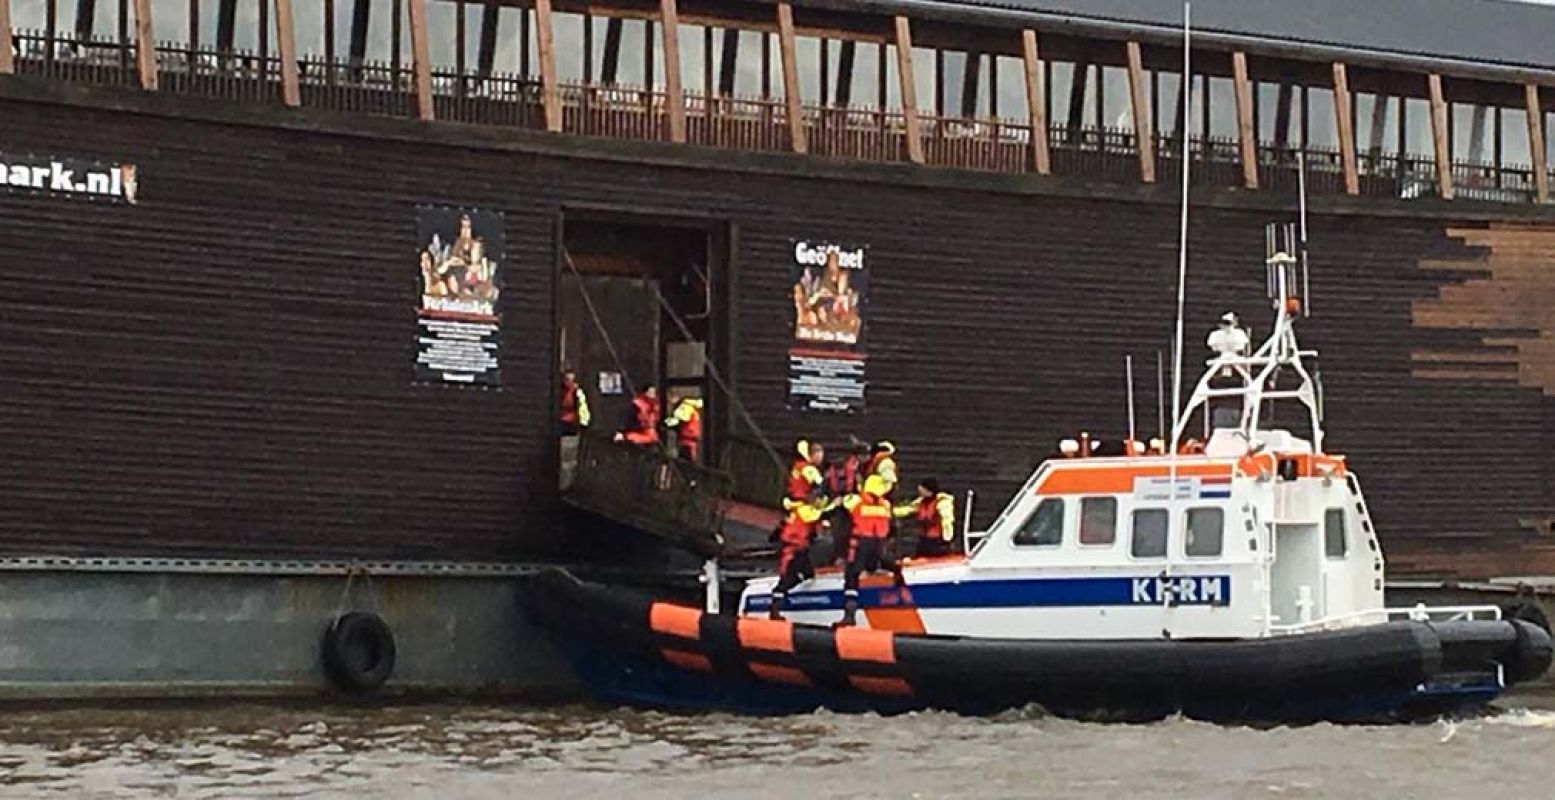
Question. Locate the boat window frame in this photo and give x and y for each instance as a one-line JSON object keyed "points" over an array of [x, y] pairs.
{"points": [[1063, 521], [1344, 533], [1133, 532], [1112, 541], [1187, 528]]}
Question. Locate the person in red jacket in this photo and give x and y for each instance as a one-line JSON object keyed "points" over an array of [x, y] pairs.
{"points": [[867, 553], [935, 512], [805, 503], [642, 419], [575, 404]]}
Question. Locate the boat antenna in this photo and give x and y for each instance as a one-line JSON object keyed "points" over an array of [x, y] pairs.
{"points": [[1160, 396], [1301, 184], [1182, 245], [1128, 373]]}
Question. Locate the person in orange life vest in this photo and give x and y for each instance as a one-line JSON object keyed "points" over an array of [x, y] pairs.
{"points": [[686, 420], [642, 419], [882, 463], [575, 405], [935, 512], [842, 479], [805, 503], [867, 552]]}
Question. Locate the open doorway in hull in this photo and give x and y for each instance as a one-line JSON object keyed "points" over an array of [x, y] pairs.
{"points": [[636, 309]]}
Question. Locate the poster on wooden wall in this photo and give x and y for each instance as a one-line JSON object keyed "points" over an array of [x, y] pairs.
{"points": [[829, 284], [457, 322]]}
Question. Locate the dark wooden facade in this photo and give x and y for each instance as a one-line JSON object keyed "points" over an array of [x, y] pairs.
{"points": [[224, 367]]}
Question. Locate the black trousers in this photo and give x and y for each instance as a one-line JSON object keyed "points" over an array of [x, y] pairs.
{"points": [[867, 555], [797, 568]]}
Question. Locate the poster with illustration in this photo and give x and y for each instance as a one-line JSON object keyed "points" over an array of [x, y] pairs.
{"points": [[829, 288], [460, 262]]}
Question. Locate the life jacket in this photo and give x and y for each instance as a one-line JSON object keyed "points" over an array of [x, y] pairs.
{"points": [[688, 425], [871, 516], [843, 479], [646, 421], [803, 479], [884, 465], [931, 517], [570, 404]]}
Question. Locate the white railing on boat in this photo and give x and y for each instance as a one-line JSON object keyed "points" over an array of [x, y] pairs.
{"points": [[1418, 613]]}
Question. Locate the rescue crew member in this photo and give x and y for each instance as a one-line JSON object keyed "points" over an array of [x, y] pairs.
{"points": [[805, 503], [842, 479], [866, 552], [641, 424], [575, 405], [686, 420], [936, 514], [882, 464]]}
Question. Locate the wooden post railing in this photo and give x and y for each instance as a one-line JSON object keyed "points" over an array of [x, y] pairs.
{"points": [[420, 60], [1536, 144], [286, 46], [1245, 135], [1345, 128], [675, 99], [550, 95], [1439, 137], [786, 50], [1036, 103], [145, 47], [1143, 138], [909, 90]]}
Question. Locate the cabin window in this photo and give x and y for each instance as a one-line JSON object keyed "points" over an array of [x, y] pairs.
{"points": [[1206, 531], [1334, 543], [1045, 526], [1149, 537], [1098, 520]]}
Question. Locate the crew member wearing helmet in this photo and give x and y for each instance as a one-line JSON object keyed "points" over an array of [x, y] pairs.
{"points": [[882, 463], [866, 553], [805, 503]]}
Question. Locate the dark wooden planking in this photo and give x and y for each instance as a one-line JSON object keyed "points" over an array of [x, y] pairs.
{"points": [[224, 368]]}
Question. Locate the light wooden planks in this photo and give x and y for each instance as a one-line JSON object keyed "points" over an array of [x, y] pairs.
{"points": [[909, 90], [787, 52], [145, 47], [1536, 144], [286, 45], [1245, 135], [675, 99], [1144, 133], [420, 60], [545, 36], [1345, 126], [7, 61], [1439, 137], [1036, 103]]}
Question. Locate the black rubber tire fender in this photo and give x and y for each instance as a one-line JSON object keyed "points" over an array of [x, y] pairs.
{"points": [[1527, 611], [358, 652]]}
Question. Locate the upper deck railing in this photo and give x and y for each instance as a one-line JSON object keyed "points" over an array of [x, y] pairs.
{"points": [[854, 132]]}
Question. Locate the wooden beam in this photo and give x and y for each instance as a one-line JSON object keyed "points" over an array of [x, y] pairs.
{"points": [[1536, 149], [7, 62], [1345, 128], [675, 98], [420, 61], [611, 65], [909, 90], [1036, 103], [286, 44], [145, 47], [1245, 135], [787, 52], [1144, 132], [1439, 137], [545, 37]]}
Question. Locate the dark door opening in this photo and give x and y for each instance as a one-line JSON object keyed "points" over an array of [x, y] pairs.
{"points": [[635, 309]]}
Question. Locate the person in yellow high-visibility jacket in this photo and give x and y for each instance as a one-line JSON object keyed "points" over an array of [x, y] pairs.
{"points": [[935, 512]]}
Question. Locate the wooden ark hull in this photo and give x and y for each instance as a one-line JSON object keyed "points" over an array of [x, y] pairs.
{"points": [[225, 366]]}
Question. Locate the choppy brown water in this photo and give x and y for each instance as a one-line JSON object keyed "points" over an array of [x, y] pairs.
{"points": [[575, 752]]}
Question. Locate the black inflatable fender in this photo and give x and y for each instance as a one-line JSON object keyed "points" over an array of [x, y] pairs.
{"points": [[1530, 657], [358, 652], [1527, 611]]}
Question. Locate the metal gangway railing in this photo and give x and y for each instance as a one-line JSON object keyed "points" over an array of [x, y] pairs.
{"points": [[651, 490]]}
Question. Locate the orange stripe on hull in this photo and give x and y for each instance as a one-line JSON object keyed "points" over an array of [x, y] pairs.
{"points": [[891, 687], [765, 634], [896, 620], [1120, 480], [865, 644], [685, 660], [675, 620], [774, 673]]}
